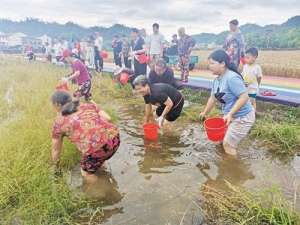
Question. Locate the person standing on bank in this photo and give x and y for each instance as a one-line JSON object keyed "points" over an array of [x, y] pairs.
{"points": [[117, 49], [168, 100], [137, 45], [125, 52], [98, 44], [173, 49], [155, 44], [185, 47], [230, 91], [234, 43]]}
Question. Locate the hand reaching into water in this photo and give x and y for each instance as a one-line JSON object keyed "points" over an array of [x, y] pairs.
{"points": [[160, 121], [202, 116]]}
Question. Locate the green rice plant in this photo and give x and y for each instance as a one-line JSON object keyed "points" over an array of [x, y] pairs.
{"points": [[195, 96], [239, 206], [283, 137]]}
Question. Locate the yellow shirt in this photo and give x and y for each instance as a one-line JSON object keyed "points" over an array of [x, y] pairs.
{"points": [[251, 73]]}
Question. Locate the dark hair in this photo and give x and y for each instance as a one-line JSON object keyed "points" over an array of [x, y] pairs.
{"points": [[161, 63], [134, 30], [252, 51], [221, 57], [64, 99], [234, 22], [141, 80], [155, 25]]}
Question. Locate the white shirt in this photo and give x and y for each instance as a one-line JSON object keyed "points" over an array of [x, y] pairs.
{"points": [[57, 49], [251, 73], [155, 44], [99, 43]]}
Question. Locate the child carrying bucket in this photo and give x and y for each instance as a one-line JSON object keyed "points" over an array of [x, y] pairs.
{"points": [[230, 91], [79, 74]]}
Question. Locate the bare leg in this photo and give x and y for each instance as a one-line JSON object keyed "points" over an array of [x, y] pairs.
{"points": [[90, 178], [229, 149], [253, 102]]}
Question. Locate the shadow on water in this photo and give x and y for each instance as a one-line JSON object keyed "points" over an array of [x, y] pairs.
{"points": [[160, 182]]}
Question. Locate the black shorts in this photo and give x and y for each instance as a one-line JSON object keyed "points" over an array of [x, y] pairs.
{"points": [[174, 112], [84, 90]]}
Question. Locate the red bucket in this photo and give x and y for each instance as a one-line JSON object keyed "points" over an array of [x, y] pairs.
{"points": [[151, 131], [215, 128], [62, 87], [103, 54]]}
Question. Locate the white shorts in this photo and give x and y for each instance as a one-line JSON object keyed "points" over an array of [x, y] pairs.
{"points": [[239, 128]]}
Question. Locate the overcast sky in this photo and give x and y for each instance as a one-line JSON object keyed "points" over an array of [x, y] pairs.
{"points": [[196, 15]]}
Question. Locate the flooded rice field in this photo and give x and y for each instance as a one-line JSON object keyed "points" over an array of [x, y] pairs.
{"points": [[153, 183]]}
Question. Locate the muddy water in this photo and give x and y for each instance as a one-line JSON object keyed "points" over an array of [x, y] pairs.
{"points": [[159, 183]]}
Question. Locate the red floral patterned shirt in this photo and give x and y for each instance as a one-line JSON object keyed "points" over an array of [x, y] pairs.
{"points": [[85, 128]]}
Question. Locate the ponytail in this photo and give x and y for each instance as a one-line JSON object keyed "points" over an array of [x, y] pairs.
{"points": [[222, 57], [64, 99], [233, 68]]}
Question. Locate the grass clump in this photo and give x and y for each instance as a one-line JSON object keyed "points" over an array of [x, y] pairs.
{"points": [[279, 128], [239, 206], [282, 137]]}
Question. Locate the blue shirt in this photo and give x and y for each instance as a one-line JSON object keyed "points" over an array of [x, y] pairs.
{"points": [[231, 86]]}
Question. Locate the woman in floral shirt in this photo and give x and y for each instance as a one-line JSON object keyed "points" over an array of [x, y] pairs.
{"points": [[88, 127]]}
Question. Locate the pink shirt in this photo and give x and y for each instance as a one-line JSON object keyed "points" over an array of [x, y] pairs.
{"points": [[84, 76]]}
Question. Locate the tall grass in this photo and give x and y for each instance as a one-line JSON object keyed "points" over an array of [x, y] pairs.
{"points": [[281, 137], [241, 207], [279, 128], [29, 191]]}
